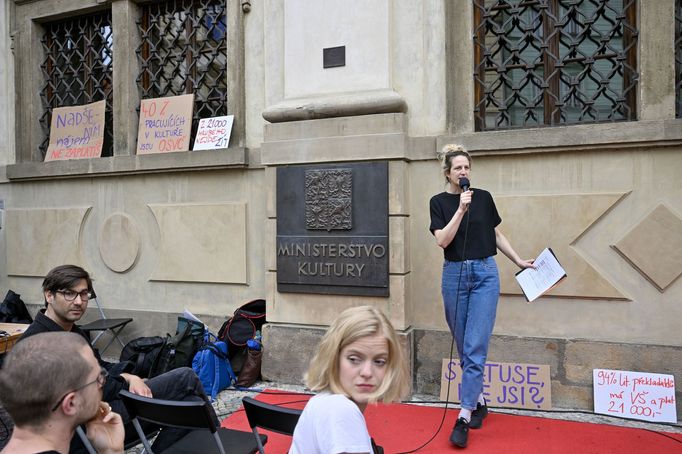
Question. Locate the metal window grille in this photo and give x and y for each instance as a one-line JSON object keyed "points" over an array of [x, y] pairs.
{"points": [[183, 51], [678, 58], [554, 62], [77, 69]]}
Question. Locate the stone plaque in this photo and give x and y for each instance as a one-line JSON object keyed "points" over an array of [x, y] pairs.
{"points": [[332, 229]]}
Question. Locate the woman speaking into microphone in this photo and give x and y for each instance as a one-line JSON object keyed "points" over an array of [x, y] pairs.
{"points": [[464, 222]]}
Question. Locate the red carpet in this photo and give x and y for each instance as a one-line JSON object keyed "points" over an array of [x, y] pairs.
{"points": [[403, 427]]}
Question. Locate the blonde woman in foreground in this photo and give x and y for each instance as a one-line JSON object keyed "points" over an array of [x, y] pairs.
{"points": [[358, 362]]}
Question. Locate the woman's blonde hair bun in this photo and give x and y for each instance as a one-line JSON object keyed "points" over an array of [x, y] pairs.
{"points": [[449, 150]]}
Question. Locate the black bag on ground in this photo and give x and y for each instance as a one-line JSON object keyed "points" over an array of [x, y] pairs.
{"points": [[156, 355], [13, 309], [179, 350], [242, 326], [142, 352]]}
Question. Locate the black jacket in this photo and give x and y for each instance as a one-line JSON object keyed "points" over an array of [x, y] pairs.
{"points": [[115, 382]]}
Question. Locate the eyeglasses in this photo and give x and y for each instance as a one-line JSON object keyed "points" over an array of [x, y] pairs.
{"points": [[100, 380], [70, 295]]}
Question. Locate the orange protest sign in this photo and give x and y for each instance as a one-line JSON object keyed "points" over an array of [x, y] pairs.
{"points": [[76, 132], [165, 124]]}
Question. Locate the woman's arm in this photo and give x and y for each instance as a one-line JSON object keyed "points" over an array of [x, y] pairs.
{"points": [[445, 235], [506, 248]]}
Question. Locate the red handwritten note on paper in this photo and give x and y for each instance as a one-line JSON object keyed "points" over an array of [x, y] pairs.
{"points": [[638, 395]]}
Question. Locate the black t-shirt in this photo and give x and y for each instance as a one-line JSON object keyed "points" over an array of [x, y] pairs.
{"points": [[114, 384], [482, 218]]}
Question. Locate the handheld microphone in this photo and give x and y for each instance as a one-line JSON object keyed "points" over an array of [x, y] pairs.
{"points": [[464, 184]]}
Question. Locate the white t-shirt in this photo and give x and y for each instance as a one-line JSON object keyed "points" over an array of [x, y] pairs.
{"points": [[330, 424]]}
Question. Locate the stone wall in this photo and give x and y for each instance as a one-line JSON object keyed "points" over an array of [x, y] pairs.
{"points": [[198, 230]]}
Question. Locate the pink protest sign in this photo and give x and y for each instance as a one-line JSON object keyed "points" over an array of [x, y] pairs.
{"points": [[165, 124], [76, 132]]}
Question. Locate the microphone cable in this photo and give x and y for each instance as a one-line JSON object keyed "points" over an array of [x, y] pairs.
{"points": [[452, 343]]}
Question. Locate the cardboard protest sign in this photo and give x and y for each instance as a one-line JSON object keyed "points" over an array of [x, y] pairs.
{"points": [[504, 384], [165, 124], [213, 133], [76, 132], [638, 395]]}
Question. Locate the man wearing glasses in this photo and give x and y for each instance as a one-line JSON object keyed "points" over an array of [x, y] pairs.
{"points": [[50, 384], [67, 290]]}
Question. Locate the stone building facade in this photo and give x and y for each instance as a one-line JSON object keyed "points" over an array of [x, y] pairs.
{"points": [[573, 163]]}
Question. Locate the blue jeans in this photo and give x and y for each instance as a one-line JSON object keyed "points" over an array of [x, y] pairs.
{"points": [[471, 318]]}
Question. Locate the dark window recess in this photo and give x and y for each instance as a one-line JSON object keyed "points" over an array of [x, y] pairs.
{"points": [[554, 62], [183, 51], [334, 56], [678, 58], [77, 69]]}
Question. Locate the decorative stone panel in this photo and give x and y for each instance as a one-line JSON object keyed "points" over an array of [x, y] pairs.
{"points": [[654, 247], [201, 243], [39, 239]]}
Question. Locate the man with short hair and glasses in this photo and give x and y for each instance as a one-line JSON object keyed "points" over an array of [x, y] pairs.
{"points": [[50, 384], [67, 290]]}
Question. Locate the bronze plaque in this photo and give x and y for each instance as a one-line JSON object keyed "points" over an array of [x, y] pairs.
{"points": [[332, 229]]}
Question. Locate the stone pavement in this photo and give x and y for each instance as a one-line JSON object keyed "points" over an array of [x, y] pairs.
{"points": [[228, 401]]}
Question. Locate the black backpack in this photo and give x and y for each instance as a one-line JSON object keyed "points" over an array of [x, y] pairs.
{"points": [[156, 355], [179, 350], [142, 352], [242, 326], [13, 309]]}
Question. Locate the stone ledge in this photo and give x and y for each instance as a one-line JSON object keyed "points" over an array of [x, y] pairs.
{"points": [[390, 123], [336, 105], [598, 136], [375, 147], [115, 165], [359, 138]]}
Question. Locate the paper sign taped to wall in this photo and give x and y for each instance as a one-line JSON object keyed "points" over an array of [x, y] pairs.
{"points": [[638, 395], [165, 124], [76, 132], [512, 385], [213, 133]]}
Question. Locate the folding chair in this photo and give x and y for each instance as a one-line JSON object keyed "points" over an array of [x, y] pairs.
{"points": [[128, 443], [205, 436], [271, 417], [104, 324]]}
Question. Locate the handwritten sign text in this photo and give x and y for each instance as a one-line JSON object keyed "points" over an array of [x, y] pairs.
{"points": [[638, 395], [76, 132], [504, 384], [213, 133], [165, 124]]}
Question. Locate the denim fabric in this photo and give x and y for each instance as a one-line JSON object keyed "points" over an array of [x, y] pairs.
{"points": [[471, 318]]}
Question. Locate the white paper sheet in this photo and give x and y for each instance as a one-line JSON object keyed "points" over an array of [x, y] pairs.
{"points": [[547, 273]]}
